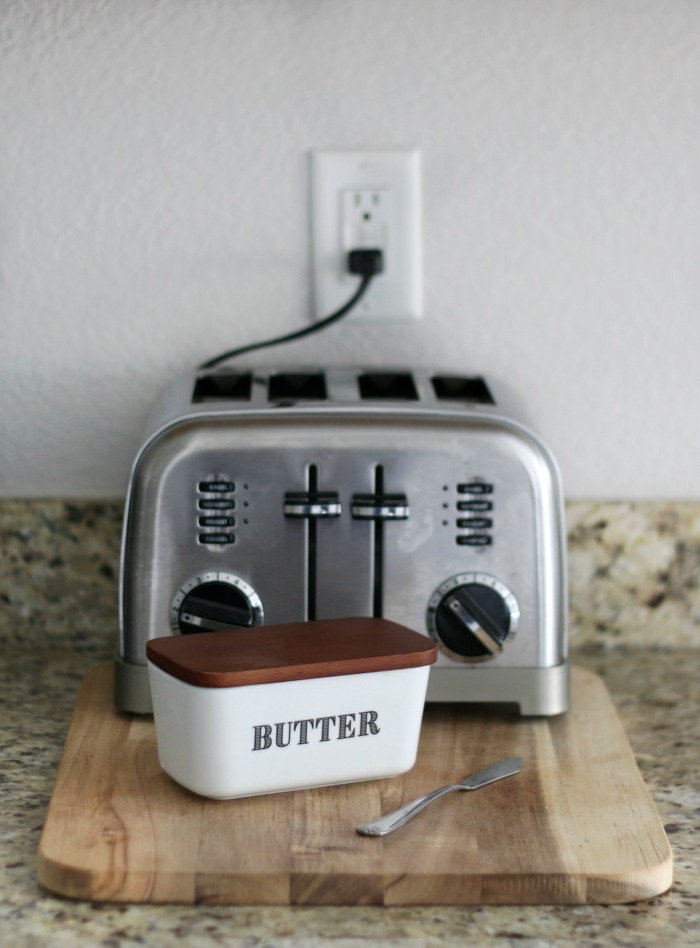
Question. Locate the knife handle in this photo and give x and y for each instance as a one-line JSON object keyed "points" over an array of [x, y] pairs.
{"points": [[398, 818]]}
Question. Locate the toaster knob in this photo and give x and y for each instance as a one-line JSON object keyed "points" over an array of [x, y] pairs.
{"points": [[472, 616], [215, 601]]}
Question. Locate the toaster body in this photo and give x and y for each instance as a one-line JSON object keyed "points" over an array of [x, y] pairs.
{"points": [[273, 496]]}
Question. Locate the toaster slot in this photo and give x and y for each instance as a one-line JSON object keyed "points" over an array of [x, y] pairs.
{"points": [[378, 528], [344, 564], [312, 505], [378, 507], [393, 386], [223, 386], [296, 386], [457, 388]]}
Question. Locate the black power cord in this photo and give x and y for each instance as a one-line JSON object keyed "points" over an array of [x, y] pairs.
{"points": [[364, 263]]}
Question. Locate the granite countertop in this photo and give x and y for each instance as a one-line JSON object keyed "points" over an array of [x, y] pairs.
{"points": [[57, 585], [656, 694]]}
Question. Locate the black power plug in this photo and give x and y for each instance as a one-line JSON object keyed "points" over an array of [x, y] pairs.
{"points": [[366, 263]]}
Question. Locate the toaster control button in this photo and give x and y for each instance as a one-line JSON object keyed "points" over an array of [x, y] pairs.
{"points": [[475, 487], [487, 634], [215, 602], [312, 504], [473, 616], [475, 523], [481, 506], [217, 521], [380, 506], [217, 539], [474, 539], [216, 487], [205, 614], [217, 504]]}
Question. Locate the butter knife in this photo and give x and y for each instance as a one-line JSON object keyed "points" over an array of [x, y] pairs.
{"points": [[398, 818]]}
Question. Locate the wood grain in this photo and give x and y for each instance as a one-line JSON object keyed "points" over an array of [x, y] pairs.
{"points": [[576, 826], [290, 652]]}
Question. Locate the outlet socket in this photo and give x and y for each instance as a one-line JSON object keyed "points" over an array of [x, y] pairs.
{"points": [[367, 199], [364, 220]]}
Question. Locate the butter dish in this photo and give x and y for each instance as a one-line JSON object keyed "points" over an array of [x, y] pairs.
{"points": [[287, 707]]}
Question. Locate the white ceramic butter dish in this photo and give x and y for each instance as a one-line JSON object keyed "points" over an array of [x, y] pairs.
{"points": [[288, 707]]}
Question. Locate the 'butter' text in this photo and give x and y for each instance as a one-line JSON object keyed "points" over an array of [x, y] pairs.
{"points": [[333, 727]]}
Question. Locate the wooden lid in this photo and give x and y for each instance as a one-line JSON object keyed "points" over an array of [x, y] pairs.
{"points": [[290, 652]]}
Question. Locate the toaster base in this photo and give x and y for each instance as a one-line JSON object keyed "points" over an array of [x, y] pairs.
{"points": [[132, 691], [537, 691]]}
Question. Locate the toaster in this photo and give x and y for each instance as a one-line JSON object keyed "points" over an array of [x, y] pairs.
{"points": [[277, 495]]}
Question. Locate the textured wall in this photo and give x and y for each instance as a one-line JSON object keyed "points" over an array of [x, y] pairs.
{"points": [[154, 209]]}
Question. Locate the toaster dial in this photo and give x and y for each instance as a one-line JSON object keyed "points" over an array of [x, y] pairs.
{"points": [[472, 617], [215, 601]]}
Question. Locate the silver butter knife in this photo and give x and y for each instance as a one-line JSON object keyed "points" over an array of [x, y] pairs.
{"points": [[393, 821]]}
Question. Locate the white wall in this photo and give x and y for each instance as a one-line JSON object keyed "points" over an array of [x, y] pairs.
{"points": [[154, 210]]}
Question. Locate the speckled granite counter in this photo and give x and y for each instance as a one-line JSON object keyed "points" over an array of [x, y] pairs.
{"points": [[634, 572], [634, 581]]}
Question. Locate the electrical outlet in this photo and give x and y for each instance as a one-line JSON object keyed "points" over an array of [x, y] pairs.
{"points": [[367, 200], [364, 220]]}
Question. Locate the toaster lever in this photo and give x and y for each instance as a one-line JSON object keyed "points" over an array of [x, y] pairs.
{"points": [[312, 504], [380, 506]]}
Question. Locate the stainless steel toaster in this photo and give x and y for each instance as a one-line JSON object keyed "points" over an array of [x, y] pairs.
{"points": [[276, 495]]}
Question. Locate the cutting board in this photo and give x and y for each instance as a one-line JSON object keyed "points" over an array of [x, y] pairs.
{"points": [[576, 826]]}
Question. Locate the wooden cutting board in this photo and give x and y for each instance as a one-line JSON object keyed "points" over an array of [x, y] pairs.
{"points": [[576, 826]]}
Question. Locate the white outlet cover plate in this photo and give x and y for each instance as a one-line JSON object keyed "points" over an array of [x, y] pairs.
{"points": [[336, 177]]}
